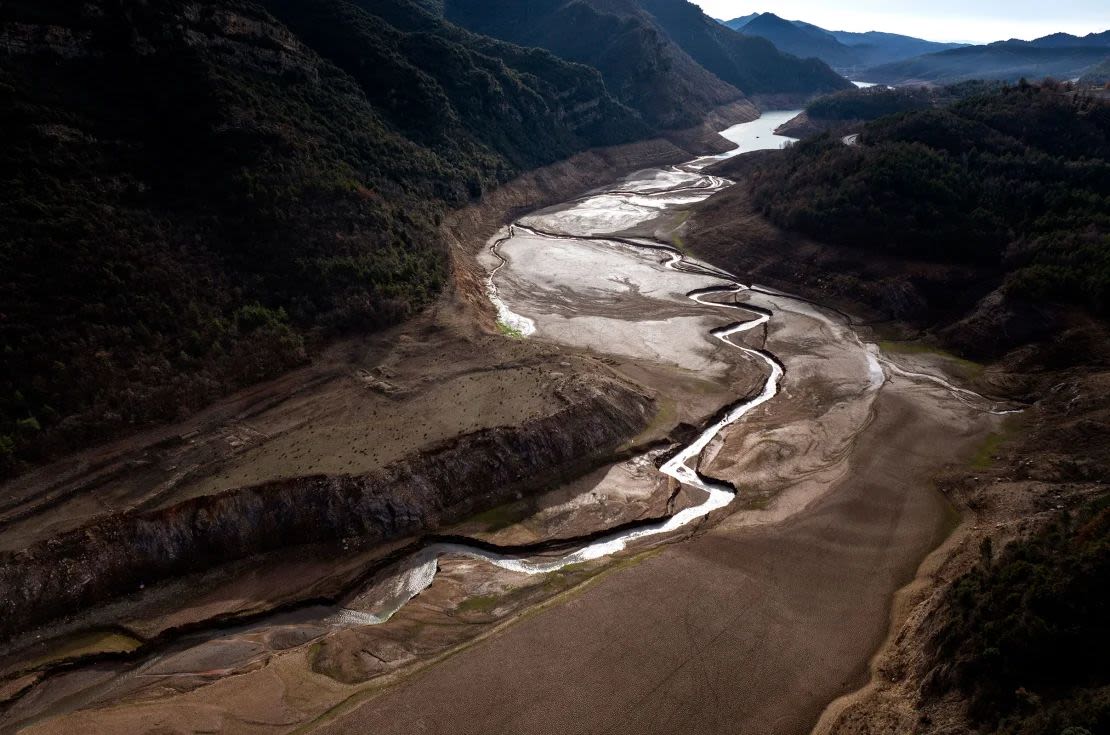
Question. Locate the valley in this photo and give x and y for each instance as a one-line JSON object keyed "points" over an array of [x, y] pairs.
{"points": [[735, 520], [531, 366]]}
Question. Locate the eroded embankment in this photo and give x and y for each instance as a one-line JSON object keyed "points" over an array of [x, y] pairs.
{"points": [[116, 553], [120, 554]]}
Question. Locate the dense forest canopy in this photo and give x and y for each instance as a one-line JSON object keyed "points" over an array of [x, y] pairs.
{"points": [[1025, 634], [1058, 55], [869, 104], [665, 58], [1017, 179], [195, 193]]}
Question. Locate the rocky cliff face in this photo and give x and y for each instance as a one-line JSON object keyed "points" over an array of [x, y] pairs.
{"points": [[442, 485]]}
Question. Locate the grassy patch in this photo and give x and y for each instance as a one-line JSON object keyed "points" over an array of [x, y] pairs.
{"points": [[663, 419], [484, 604], [509, 331], [86, 644], [500, 517], [984, 455], [969, 367]]}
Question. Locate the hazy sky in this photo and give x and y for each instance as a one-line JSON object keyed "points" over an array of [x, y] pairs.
{"points": [[978, 21]]}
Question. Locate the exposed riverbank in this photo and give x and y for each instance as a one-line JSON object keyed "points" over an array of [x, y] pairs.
{"points": [[719, 623], [330, 419]]}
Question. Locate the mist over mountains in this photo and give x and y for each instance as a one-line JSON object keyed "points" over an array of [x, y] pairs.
{"points": [[844, 50], [892, 58]]}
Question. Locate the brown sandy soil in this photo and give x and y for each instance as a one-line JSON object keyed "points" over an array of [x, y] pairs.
{"points": [[751, 621], [740, 627], [740, 630], [1052, 456], [1031, 465], [360, 406]]}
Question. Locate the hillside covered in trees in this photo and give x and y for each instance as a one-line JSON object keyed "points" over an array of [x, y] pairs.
{"points": [[195, 194], [1024, 633], [1059, 55], [665, 58], [1016, 182]]}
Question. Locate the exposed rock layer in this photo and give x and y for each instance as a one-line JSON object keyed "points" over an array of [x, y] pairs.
{"points": [[124, 552]]}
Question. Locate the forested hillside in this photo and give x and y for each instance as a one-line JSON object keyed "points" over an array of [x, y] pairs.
{"points": [[843, 112], [1016, 181], [654, 54], [753, 64], [1024, 634], [193, 194], [640, 64], [843, 50], [1061, 56]]}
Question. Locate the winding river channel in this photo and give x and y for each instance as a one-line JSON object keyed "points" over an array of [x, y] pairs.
{"points": [[599, 274], [640, 198], [604, 219]]}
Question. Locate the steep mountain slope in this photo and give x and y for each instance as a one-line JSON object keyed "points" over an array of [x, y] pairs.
{"points": [[751, 64], [842, 50], [875, 47], [738, 23], [641, 66], [653, 54], [245, 178], [1097, 75], [1059, 55], [1011, 182], [805, 42]]}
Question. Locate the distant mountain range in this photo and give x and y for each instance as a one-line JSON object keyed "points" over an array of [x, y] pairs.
{"points": [[843, 50], [890, 58], [1060, 55]]}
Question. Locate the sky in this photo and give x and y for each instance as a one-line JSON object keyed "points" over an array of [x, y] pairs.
{"points": [[973, 21]]}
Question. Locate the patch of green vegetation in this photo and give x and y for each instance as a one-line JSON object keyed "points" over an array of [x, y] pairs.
{"points": [[1025, 635], [500, 517], [760, 502], [984, 455], [1011, 180], [969, 368], [85, 644], [509, 331], [574, 568], [483, 604], [662, 420]]}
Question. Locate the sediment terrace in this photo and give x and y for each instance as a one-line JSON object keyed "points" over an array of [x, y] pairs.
{"points": [[714, 627]]}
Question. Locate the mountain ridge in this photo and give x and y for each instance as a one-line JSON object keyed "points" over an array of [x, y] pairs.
{"points": [[614, 36], [844, 50], [1058, 55]]}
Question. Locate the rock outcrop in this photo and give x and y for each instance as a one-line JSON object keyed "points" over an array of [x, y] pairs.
{"points": [[123, 553]]}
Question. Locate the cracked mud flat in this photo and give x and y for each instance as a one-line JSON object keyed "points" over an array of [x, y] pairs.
{"points": [[752, 622]]}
